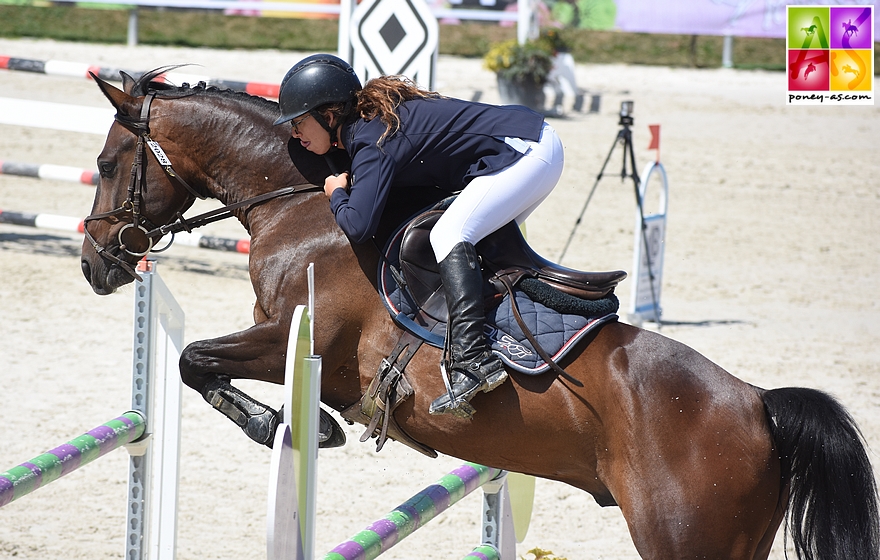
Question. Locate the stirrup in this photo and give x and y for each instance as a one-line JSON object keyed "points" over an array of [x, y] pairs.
{"points": [[465, 382]]}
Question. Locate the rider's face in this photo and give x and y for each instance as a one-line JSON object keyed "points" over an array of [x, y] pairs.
{"points": [[311, 134]]}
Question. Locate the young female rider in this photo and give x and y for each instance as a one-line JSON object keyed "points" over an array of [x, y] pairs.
{"points": [[503, 161]]}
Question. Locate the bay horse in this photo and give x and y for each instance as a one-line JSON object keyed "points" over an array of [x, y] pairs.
{"points": [[700, 463]]}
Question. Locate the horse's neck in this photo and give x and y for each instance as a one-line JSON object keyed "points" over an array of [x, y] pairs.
{"points": [[240, 154]]}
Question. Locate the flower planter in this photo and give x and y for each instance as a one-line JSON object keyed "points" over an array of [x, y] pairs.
{"points": [[521, 92]]}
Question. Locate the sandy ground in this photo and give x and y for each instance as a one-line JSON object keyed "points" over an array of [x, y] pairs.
{"points": [[772, 270]]}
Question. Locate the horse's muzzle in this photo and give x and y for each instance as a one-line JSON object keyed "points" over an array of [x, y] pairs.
{"points": [[104, 278]]}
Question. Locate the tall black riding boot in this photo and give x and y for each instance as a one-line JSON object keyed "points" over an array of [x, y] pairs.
{"points": [[468, 361]]}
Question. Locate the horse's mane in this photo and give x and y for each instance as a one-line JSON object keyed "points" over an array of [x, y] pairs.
{"points": [[145, 84], [313, 168]]}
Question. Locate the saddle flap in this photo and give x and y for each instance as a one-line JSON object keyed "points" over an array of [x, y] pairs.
{"points": [[419, 267]]}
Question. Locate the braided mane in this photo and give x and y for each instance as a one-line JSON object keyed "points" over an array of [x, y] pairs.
{"points": [[145, 84]]}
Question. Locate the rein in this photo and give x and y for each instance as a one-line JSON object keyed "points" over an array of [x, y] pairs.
{"points": [[140, 231]]}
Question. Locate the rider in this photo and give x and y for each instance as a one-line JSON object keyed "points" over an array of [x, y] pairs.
{"points": [[503, 161]]}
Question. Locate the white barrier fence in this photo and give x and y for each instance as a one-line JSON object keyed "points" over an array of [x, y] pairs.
{"points": [[150, 430]]}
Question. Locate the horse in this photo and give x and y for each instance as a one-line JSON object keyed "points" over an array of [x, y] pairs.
{"points": [[810, 69], [847, 69], [809, 30], [700, 463], [849, 29]]}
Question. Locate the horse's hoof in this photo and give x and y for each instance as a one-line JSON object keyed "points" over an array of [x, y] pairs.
{"points": [[330, 434]]}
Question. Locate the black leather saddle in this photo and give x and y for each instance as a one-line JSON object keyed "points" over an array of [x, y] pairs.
{"points": [[505, 256]]}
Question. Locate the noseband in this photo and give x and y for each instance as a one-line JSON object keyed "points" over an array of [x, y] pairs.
{"points": [[139, 230]]}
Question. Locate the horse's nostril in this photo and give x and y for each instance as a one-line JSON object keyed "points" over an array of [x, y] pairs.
{"points": [[87, 270]]}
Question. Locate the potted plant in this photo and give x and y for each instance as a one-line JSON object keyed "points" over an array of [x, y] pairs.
{"points": [[522, 69]]}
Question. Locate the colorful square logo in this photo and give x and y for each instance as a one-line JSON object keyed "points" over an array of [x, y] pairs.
{"points": [[830, 55]]}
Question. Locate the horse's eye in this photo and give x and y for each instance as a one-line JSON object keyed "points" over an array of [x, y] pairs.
{"points": [[107, 169]]}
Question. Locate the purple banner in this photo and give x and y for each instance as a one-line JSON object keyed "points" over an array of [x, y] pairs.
{"points": [[740, 18]]}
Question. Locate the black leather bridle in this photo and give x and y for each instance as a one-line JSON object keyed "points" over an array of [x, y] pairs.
{"points": [[140, 231]]}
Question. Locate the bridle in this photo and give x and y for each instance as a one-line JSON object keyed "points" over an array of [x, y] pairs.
{"points": [[140, 231]]}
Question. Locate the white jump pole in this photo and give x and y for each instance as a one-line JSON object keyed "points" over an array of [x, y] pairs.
{"points": [[151, 528]]}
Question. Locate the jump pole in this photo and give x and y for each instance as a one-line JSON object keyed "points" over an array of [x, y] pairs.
{"points": [[41, 470], [150, 431], [402, 521], [151, 528]]}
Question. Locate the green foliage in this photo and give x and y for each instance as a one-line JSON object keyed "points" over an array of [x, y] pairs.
{"points": [[190, 28], [552, 41], [530, 61]]}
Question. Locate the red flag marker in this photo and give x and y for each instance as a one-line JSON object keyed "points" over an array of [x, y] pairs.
{"points": [[655, 139]]}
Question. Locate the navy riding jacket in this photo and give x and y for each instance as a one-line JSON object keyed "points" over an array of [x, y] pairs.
{"points": [[442, 142]]}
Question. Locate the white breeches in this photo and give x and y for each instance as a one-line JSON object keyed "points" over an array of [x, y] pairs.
{"points": [[491, 201]]}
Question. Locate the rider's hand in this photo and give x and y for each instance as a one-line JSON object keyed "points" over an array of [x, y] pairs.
{"points": [[334, 182]]}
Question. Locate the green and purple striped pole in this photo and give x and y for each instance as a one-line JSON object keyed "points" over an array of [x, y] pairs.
{"points": [[483, 552], [64, 459], [414, 513]]}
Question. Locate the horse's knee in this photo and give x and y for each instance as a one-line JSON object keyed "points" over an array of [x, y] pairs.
{"points": [[193, 370]]}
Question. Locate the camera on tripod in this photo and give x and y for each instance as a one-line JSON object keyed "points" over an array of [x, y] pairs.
{"points": [[626, 111]]}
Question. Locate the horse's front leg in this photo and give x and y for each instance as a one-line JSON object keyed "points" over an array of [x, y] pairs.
{"points": [[256, 353]]}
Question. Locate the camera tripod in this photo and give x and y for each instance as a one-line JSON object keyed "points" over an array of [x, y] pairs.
{"points": [[628, 169]]}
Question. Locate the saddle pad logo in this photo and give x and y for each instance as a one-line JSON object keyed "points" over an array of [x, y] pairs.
{"points": [[830, 55], [507, 343]]}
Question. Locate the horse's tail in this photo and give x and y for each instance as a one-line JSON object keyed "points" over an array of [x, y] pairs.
{"points": [[833, 503]]}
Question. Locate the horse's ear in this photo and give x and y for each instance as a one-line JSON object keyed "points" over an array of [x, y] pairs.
{"points": [[127, 82], [116, 96]]}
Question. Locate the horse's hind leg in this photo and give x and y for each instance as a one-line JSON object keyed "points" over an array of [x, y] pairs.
{"points": [[256, 353], [707, 483], [695, 525]]}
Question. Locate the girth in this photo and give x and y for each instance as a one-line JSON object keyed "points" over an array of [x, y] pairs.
{"points": [[388, 390]]}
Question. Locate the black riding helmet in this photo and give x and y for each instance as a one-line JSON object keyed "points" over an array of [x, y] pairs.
{"points": [[314, 81]]}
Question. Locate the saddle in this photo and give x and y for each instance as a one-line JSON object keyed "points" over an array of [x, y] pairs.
{"points": [[505, 255], [571, 301]]}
